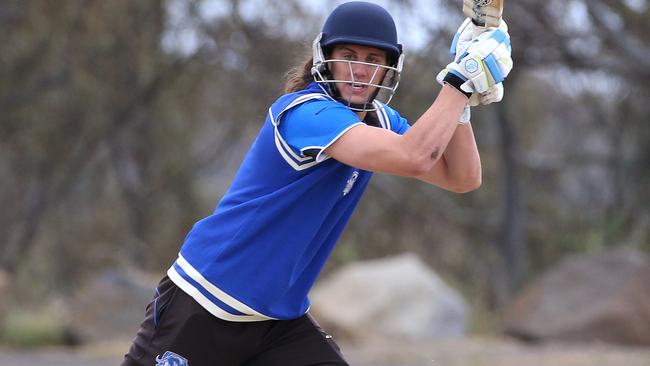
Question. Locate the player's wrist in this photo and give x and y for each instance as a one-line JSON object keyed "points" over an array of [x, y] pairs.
{"points": [[456, 82]]}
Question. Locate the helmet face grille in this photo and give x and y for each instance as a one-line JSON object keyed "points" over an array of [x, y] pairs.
{"points": [[365, 24], [384, 88]]}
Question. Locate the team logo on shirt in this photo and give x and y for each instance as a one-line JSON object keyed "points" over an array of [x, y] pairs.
{"points": [[350, 183], [170, 358]]}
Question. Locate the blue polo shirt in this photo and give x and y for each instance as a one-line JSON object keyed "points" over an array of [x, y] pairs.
{"points": [[258, 254]]}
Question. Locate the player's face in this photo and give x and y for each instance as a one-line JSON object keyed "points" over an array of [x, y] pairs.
{"points": [[356, 74]]}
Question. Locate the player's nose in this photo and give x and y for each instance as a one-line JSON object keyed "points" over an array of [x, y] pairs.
{"points": [[368, 73], [362, 72]]}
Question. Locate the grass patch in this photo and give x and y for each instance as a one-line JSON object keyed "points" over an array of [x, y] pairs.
{"points": [[484, 322], [32, 329]]}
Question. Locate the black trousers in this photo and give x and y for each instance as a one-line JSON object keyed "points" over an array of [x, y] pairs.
{"points": [[178, 331]]}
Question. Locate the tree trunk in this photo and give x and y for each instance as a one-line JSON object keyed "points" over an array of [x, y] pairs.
{"points": [[512, 261]]}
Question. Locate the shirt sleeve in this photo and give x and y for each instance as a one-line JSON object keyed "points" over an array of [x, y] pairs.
{"points": [[398, 124], [312, 127]]}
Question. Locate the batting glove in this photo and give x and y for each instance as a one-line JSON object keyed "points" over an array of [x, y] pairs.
{"points": [[486, 62], [492, 95], [467, 33], [466, 116]]}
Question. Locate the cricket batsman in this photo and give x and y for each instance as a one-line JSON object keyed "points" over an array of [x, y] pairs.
{"points": [[237, 293]]}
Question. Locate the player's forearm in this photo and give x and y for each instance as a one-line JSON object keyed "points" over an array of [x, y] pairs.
{"points": [[428, 138], [462, 160], [459, 169]]}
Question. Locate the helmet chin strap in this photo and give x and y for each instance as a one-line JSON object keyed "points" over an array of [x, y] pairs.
{"points": [[358, 107]]}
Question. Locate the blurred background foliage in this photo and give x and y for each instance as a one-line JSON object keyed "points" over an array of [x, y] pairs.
{"points": [[122, 123]]}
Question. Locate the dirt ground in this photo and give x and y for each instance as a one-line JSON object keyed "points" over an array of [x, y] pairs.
{"points": [[384, 352], [494, 352]]}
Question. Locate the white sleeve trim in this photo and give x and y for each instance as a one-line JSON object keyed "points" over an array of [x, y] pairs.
{"points": [[321, 154], [286, 155], [297, 162], [297, 101]]}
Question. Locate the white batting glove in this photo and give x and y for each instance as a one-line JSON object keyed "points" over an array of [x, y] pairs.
{"points": [[466, 33], [486, 62], [465, 117], [492, 95]]}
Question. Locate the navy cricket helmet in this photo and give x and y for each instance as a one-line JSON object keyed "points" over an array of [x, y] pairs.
{"points": [[366, 24], [362, 23]]}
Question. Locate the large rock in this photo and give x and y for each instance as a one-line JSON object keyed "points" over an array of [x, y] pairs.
{"points": [[394, 297], [602, 297], [111, 305]]}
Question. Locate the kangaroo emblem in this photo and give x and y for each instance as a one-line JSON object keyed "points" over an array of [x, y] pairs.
{"points": [[170, 358], [350, 183]]}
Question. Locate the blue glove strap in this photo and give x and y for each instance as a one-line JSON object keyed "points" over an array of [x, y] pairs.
{"points": [[494, 68], [454, 42]]}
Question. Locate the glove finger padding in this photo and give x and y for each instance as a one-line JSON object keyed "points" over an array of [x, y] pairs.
{"points": [[486, 62], [464, 35], [467, 33], [492, 95], [495, 50]]}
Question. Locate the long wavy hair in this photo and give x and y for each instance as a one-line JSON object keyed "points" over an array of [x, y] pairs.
{"points": [[299, 76]]}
